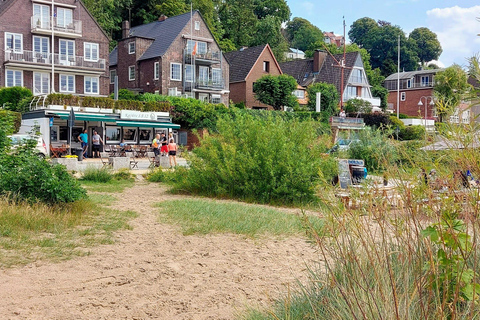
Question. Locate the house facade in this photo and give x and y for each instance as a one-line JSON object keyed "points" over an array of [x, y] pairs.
{"points": [[52, 46], [176, 56], [247, 65], [415, 87], [324, 67]]}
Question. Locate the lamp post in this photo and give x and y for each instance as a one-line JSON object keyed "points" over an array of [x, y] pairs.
{"points": [[426, 105]]}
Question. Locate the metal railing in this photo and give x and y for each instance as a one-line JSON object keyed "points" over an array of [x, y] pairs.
{"points": [[214, 56], [346, 120], [392, 85], [74, 27], [59, 59]]}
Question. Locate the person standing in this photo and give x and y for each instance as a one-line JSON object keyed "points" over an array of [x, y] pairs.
{"points": [[83, 138], [164, 148], [172, 152], [96, 140], [156, 144]]}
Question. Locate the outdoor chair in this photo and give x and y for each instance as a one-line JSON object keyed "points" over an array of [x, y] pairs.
{"points": [[104, 158], [108, 149], [133, 160], [54, 152], [152, 159]]}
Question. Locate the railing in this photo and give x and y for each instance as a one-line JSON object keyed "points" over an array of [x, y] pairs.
{"points": [[209, 85], [392, 85], [214, 56], [75, 27], [59, 59], [346, 120]]}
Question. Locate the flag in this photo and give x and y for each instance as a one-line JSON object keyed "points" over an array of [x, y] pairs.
{"points": [[194, 51]]}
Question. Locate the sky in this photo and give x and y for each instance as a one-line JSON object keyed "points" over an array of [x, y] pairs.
{"points": [[454, 22]]}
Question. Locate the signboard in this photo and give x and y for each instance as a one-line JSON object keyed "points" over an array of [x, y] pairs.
{"points": [[137, 115], [50, 122]]}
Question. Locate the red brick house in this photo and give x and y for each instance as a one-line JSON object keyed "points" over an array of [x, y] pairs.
{"points": [[60, 38], [247, 65], [176, 56], [414, 85]]}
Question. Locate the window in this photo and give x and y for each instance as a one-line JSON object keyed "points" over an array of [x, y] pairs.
{"points": [[357, 76], [410, 83], [203, 75], [13, 78], [64, 17], [145, 135], [13, 42], [112, 134], [203, 97], [157, 92], [189, 73], [130, 134], [63, 136], [41, 48], [131, 73], [91, 51], [41, 16], [176, 71], [172, 91], [113, 74], [197, 25], [201, 46], [67, 83], [41, 83], [156, 71], [350, 92], [216, 98], [266, 66], [67, 51], [131, 47], [300, 94], [216, 76], [91, 85], [403, 96], [424, 81]]}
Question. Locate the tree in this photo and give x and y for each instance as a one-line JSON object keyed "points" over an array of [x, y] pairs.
{"points": [[329, 97], [238, 21], [276, 8], [276, 91], [269, 31], [358, 105], [450, 86], [428, 47], [303, 35]]}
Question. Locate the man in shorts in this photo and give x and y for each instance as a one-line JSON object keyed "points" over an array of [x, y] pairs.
{"points": [[164, 149], [156, 144], [96, 140]]}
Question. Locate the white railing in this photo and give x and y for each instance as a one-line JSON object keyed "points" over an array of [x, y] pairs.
{"points": [[59, 59], [74, 27]]}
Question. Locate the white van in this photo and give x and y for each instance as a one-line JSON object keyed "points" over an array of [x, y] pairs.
{"points": [[19, 139]]}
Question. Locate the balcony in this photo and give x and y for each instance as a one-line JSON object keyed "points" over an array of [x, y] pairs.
{"points": [[205, 58], [43, 61], [392, 85], [70, 30]]}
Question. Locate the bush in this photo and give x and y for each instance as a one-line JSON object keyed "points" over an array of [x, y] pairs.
{"points": [[267, 160], [156, 175], [102, 175], [123, 174], [11, 97], [12, 121]]}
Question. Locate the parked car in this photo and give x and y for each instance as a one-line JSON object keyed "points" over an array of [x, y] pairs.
{"points": [[20, 139]]}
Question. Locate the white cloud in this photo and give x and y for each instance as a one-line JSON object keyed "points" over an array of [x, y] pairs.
{"points": [[457, 30]]}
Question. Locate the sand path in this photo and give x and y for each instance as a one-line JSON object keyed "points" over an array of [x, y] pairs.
{"points": [[154, 272]]}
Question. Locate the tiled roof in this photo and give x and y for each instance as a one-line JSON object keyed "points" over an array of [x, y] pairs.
{"points": [[242, 61], [411, 74], [302, 70], [113, 57], [4, 4]]}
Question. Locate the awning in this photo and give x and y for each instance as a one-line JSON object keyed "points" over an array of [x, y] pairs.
{"points": [[83, 116], [148, 124]]}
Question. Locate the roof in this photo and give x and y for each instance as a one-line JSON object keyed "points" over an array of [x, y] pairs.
{"points": [[242, 61], [113, 57], [411, 74], [162, 32], [302, 70], [295, 50], [4, 4]]}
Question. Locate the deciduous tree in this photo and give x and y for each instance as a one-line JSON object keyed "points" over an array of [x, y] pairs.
{"points": [[428, 47], [329, 97], [276, 91], [303, 35]]}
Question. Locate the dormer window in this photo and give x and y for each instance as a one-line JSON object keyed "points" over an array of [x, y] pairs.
{"points": [[131, 48]]}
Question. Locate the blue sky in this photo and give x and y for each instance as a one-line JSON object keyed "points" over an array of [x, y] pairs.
{"points": [[454, 22]]}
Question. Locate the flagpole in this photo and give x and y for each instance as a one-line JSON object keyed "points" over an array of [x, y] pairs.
{"points": [[398, 79], [52, 89]]}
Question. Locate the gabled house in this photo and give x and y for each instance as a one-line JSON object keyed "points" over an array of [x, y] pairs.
{"points": [[414, 86], [325, 68], [332, 38], [176, 56], [247, 65], [52, 46], [293, 54]]}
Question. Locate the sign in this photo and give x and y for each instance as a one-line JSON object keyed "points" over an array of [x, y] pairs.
{"points": [[50, 121], [137, 115], [71, 119]]}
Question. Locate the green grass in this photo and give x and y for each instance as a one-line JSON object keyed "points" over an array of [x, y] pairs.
{"points": [[205, 216], [40, 232], [113, 186]]}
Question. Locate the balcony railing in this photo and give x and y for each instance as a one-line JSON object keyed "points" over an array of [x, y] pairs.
{"points": [[74, 27], [392, 85], [37, 58], [209, 57], [209, 85], [353, 121]]}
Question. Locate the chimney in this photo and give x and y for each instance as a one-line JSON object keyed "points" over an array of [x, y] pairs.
{"points": [[318, 60], [125, 29], [162, 18]]}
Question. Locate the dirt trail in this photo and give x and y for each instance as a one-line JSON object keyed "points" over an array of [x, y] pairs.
{"points": [[154, 272]]}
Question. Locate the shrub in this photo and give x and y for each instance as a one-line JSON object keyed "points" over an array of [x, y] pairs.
{"points": [[156, 175], [267, 160], [123, 174], [62, 99], [102, 175], [128, 105], [98, 102], [11, 97], [358, 105], [12, 121]]}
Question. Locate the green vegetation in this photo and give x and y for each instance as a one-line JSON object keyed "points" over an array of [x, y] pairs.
{"points": [[207, 217], [11, 121], [276, 91], [328, 100], [15, 98], [105, 180]]}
